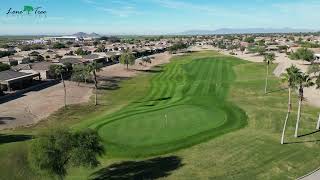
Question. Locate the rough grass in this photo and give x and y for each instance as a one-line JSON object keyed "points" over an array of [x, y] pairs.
{"points": [[253, 152]]}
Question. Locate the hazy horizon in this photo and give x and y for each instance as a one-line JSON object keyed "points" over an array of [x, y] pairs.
{"points": [[186, 32], [153, 17]]}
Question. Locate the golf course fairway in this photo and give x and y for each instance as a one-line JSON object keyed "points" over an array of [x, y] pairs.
{"points": [[185, 104], [202, 116]]}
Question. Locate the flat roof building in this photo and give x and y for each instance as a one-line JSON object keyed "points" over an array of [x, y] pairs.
{"points": [[13, 80]]}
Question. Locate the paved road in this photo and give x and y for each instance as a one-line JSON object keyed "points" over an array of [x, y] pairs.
{"points": [[312, 176]]}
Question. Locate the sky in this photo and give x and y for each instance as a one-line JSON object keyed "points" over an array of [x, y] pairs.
{"points": [[154, 16]]}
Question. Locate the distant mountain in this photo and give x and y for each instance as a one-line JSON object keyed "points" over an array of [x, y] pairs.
{"points": [[82, 34], [94, 35], [246, 31]]}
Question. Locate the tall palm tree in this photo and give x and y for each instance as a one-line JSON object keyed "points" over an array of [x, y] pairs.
{"points": [[318, 82], [268, 59], [303, 81], [93, 68], [59, 70], [318, 87], [290, 77]]}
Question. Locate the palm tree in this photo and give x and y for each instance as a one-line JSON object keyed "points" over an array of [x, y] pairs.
{"points": [[93, 68], [127, 59], [290, 77], [59, 70], [268, 59], [318, 82], [303, 80], [318, 87]]}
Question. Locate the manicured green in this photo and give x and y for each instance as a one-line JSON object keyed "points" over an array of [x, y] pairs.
{"points": [[184, 106], [198, 92]]}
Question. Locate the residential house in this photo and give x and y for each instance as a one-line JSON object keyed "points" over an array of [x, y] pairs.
{"points": [[12, 80]]}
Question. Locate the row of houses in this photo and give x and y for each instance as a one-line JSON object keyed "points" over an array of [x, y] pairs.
{"points": [[26, 70]]}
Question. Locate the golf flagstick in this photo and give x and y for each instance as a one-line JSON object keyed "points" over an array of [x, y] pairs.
{"points": [[166, 118]]}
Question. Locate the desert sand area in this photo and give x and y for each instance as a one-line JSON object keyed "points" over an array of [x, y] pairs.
{"points": [[34, 106], [119, 70]]}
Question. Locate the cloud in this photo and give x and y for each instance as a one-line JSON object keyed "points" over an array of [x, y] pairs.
{"points": [[303, 8], [205, 9], [115, 7]]}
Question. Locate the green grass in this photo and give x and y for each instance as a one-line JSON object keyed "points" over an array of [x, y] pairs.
{"points": [[185, 105], [220, 123]]}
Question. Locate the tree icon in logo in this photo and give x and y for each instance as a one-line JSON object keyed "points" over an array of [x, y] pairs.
{"points": [[28, 9]]}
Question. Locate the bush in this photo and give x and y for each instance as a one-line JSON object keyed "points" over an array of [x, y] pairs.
{"points": [[310, 45], [6, 53], [257, 49], [58, 46], [81, 52], [177, 46], [249, 39], [303, 54], [4, 67], [31, 47]]}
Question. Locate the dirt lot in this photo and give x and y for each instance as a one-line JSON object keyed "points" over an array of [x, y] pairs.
{"points": [[119, 70], [36, 105]]}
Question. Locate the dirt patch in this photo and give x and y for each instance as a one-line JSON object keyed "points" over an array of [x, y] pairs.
{"points": [[36, 105], [119, 70]]}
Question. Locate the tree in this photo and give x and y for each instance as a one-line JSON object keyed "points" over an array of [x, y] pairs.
{"points": [[4, 67], [59, 149], [6, 53], [58, 46], [290, 77], [261, 50], [318, 82], [127, 59], [95, 43], [80, 73], [249, 39], [261, 42], [303, 80], [177, 46], [59, 70], [5, 46], [81, 52], [40, 58], [93, 68], [242, 49], [114, 58], [100, 48], [268, 59], [314, 69], [283, 49], [303, 54]]}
